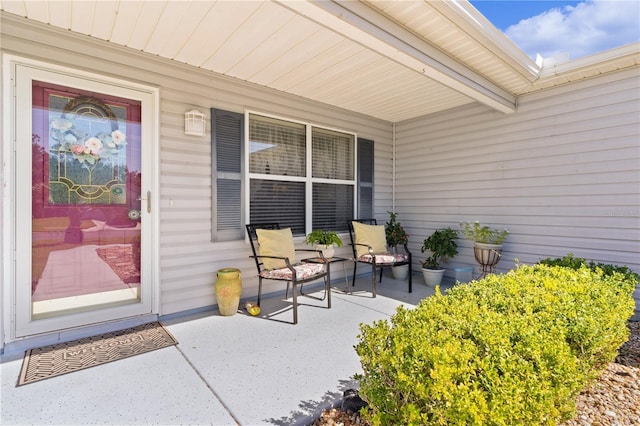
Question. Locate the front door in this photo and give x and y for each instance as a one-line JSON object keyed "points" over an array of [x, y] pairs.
{"points": [[82, 210]]}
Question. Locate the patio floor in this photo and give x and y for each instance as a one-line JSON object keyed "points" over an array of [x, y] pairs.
{"points": [[224, 371]]}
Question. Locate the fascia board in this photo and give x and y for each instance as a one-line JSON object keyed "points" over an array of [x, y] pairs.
{"points": [[476, 25], [382, 37], [598, 60]]}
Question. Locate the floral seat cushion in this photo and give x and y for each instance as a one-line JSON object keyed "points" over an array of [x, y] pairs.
{"points": [[303, 271], [385, 258]]}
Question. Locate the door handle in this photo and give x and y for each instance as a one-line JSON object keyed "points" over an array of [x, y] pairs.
{"points": [[148, 199]]}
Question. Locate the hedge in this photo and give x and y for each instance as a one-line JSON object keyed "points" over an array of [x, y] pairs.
{"points": [[510, 349]]}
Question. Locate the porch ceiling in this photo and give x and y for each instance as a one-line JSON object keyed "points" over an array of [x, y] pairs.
{"points": [[387, 59]]}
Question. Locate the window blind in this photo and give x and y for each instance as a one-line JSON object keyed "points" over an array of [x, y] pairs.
{"points": [[277, 147], [278, 201], [332, 154], [332, 206]]}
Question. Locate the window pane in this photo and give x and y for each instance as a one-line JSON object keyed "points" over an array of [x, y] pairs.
{"points": [[332, 206], [278, 202], [332, 154], [276, 147]]}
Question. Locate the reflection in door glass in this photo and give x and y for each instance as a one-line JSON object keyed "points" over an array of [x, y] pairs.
{"points": [[85, 201]]}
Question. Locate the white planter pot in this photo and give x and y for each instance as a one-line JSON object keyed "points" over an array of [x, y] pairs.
{"points": [[327, 251], [400, 272], [432, 277]]}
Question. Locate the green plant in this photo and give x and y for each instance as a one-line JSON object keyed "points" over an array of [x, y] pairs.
{"points": [[442, 246], [323, 238], [483, 234], [394, 232], [514, 348], [568, 261]]}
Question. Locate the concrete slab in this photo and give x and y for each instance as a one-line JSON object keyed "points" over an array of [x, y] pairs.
{"points": [[224, 371], [267, 371], [158, 387]]}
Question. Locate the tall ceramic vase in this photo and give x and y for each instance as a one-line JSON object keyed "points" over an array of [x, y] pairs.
{"points": [[228, 290]]}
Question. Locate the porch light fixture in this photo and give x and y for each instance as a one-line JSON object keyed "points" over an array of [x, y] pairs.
{"points": [[194, 123]]}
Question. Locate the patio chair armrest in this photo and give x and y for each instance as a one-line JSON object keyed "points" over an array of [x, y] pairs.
{"points": [[258, 256], [286, 261], [367, 246]]}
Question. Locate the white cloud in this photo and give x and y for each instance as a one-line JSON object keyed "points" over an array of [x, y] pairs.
{"points": [[587, 28]]}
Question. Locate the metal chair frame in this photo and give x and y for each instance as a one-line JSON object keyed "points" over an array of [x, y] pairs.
{"points": [[375, 265], [253, 238]]}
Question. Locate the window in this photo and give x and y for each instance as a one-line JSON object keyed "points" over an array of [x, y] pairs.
{"points": [[298, 175]]}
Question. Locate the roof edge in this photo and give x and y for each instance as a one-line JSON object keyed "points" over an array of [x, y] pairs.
{"points": [[610, 56], [474, 23], [363, 25]]}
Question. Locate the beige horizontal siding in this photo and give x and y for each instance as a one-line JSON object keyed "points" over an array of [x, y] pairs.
{"points": [[562, 173], [188, 258]]}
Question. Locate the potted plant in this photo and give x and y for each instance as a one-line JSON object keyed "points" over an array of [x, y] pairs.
{"points": [[442, 246], [396, 236], [487, 247], [325, 241]]}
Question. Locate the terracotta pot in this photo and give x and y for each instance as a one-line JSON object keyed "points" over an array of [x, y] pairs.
{"points": [[228, 291]]}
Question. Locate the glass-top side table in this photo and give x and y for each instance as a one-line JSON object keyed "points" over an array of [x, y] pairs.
{"points": [[329, 261]]}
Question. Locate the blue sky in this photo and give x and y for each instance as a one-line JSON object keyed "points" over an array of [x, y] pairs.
{"points": [[579, 28]]}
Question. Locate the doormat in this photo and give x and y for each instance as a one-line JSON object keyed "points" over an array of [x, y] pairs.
{"points": [[62, 358]]}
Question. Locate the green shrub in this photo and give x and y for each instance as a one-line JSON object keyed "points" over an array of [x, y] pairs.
{"points": [[630, 279], [509, 349]]}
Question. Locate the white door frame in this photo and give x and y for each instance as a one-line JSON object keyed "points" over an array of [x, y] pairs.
{"points": [[18, 72]]}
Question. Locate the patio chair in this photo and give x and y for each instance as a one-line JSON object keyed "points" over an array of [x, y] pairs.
{"points": [[369, 246], [275, 257]]}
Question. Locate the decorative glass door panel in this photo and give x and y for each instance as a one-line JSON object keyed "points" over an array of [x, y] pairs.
{"points": [[86, 192]]}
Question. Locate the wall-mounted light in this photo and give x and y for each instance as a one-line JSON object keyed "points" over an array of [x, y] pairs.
{"points": [[194, 123]]}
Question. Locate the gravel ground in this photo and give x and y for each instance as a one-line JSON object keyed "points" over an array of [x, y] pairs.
{"points": [[612, 400]]}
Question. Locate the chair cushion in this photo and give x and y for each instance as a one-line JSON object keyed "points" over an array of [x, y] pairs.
{"points": [[303, 271], [386, 258], [276, 242], [371, 235]]}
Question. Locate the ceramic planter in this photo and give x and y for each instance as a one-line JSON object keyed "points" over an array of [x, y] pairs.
{"points": [[400, 272], [228, 291], [327, 251], [432, 277]]}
